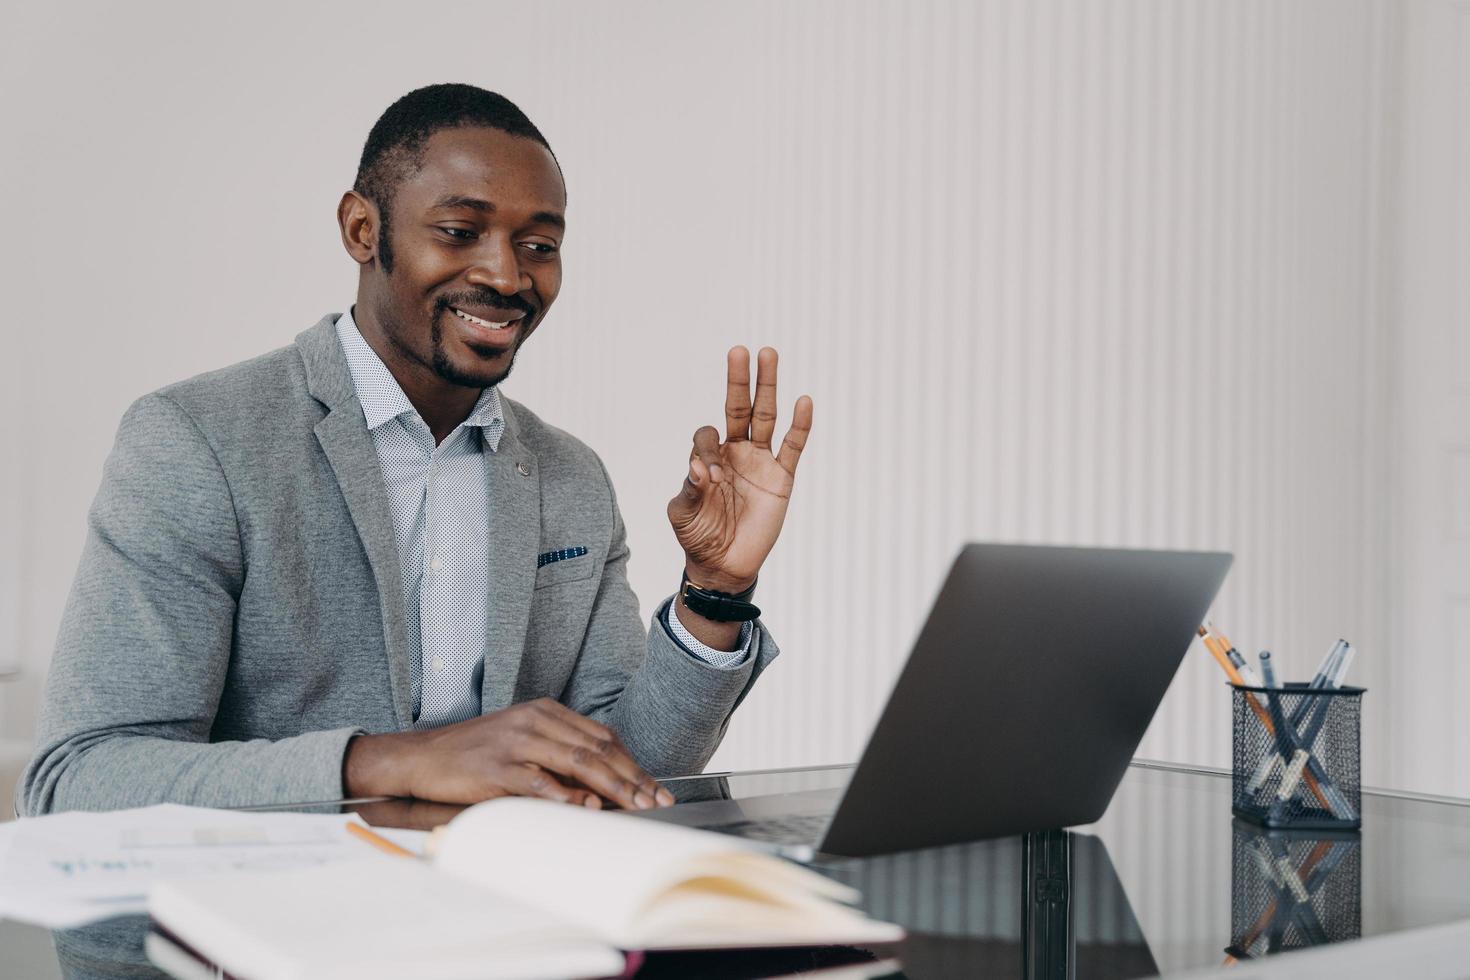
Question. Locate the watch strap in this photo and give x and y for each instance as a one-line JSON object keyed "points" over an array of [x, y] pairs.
{"points": [[722, 607]]}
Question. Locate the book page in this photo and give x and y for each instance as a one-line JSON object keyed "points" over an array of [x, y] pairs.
{"points": [[603, 870], [373, 917]]}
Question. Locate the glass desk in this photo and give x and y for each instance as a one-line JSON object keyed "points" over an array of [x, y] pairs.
{"points": [[1166, 881]]}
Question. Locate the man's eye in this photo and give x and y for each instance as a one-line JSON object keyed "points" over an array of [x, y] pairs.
{"points": [[458, 234], [541, 248]]}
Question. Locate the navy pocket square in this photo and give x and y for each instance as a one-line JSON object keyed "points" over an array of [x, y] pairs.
{"points": [[547, 557]]}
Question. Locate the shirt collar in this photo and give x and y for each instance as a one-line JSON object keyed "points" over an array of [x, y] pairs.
{"points": [[382, 397]]}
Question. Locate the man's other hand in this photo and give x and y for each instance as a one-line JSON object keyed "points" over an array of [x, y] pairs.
{"points": [[536, 748]]}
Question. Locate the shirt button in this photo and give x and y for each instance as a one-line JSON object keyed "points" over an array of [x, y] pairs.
{"points": [[435, 565], [438, 663]]}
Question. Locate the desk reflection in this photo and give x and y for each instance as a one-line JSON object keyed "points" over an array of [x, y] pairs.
{"points": [[1046, 906], [1291, 889]]}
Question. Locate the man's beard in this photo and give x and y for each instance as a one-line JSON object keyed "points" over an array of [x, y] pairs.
{"points": [[445, 369]]}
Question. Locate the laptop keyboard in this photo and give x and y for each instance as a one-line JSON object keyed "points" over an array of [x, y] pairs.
{"points": [[797, 829]]}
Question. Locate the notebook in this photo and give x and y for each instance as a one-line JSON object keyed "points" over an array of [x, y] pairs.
{"points": [[515, 888]]}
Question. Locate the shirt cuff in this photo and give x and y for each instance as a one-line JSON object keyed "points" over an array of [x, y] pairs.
{"points": [[718, 659]]}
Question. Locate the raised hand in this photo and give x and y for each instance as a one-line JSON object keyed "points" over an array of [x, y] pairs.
{"points": [[729, 512]]}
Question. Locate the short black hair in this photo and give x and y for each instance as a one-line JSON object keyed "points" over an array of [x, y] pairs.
{"points": [[395, 145]]}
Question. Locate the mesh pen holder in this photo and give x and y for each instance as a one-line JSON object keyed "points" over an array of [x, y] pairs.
{"points": [[1297, 756]]}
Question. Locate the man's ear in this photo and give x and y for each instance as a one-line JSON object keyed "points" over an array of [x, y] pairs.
{"points": [[357, 217]]}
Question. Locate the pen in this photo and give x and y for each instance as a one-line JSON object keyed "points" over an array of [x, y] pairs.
{"points": [[1343, 663], [1326, 672], [1236, 669], [1304, 764], [1235, 657], [1268, 671], [1345, 660], [1219, 655], [1295, 752], [1291, 752], [1343, 653], [1319, 712]]}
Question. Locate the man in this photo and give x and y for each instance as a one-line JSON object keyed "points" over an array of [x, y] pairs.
{"points": [[352, 567]]}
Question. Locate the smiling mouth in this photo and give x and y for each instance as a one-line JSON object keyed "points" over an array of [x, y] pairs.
{"points": [[493, 333], [477, 321]]}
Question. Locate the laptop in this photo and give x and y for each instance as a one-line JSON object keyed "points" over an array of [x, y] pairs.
{"points": [[1019, 708]]}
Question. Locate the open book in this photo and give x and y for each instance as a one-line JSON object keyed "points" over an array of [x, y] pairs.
{"points": [[515, 888]]}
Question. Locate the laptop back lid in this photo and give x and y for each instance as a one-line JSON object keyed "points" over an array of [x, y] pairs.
{"points": [[1027, 691]]}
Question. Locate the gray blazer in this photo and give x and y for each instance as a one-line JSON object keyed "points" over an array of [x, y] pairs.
{"points": [[238, 612]]}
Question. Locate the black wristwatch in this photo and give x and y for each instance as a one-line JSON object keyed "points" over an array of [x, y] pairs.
{"points": [[722, 607]]}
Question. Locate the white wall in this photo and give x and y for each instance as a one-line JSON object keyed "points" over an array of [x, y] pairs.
{"points": [[1082, 272], [1430, 368]]}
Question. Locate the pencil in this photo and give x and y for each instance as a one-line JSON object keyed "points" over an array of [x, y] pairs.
{"points": [[377, 840]]}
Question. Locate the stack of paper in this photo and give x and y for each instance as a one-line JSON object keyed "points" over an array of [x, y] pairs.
{"points": [[69, 869]]}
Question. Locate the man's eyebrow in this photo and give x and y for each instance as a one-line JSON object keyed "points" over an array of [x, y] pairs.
{"points": [[485, 207], [460, 201]]}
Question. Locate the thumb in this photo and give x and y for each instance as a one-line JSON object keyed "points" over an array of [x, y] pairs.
{"points": [[686, 501]]}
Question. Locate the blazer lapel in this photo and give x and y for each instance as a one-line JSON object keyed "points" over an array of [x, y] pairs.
{"points": [[515, 535], [348, 445]]}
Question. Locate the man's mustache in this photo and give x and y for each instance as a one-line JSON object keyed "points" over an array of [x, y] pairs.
{"points": [[494, 301]]}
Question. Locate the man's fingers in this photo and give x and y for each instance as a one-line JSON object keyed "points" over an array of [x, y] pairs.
{"points": [[601, 767], [574, 764], [707, 450], [581, 796], [795, 441], [737, 395], [548, 786], [685, 504], [590, 800], [763, 414], [696, 478], [530, 779], [705, 468], [592, 753]]}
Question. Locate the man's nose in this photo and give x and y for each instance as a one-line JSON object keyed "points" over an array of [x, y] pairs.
{"points": [[495, 265]]}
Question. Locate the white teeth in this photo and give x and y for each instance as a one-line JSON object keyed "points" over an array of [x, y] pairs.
{"points": [[483, 323]]}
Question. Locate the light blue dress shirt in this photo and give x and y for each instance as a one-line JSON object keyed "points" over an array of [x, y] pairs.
{"points": [[441, 505]]}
